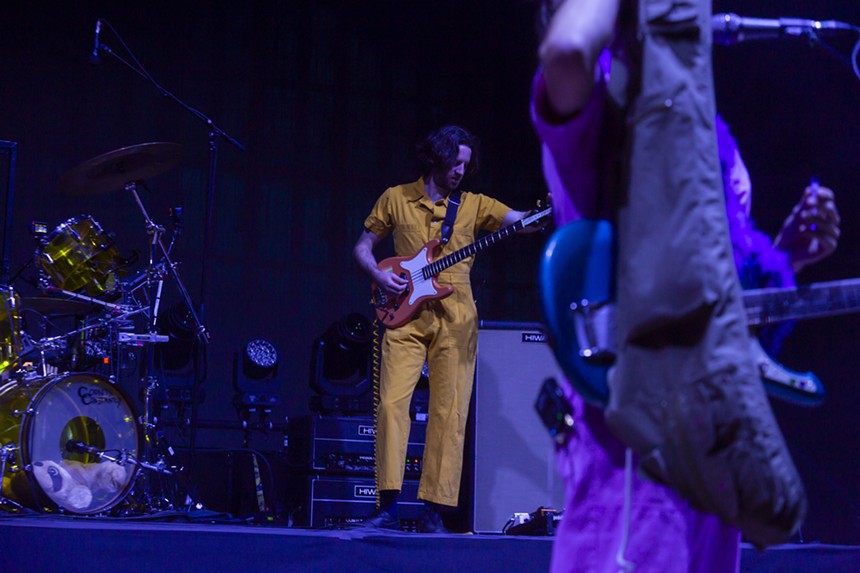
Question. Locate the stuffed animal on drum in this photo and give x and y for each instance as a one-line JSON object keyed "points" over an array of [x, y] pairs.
{"points": [[106, 478], [56, 481], [74, 485]]}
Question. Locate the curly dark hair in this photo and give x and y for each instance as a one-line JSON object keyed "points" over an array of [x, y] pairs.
{"points": [[438, 151]]}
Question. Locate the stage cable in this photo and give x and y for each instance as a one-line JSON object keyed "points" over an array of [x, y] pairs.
{"points": [[376, 361]]}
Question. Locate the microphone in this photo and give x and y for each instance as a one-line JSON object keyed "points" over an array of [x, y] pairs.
{"points": [[161, 437], [94, 58], [76, 447], [176, 216], [730, 29]]}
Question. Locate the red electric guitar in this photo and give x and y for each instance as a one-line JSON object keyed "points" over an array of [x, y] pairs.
{"points": [[420, 271]]}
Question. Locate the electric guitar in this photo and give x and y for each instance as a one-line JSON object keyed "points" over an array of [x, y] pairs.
{"points": [[420, 271], [577, 297]]}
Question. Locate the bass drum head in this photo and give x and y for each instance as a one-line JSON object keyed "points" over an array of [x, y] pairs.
{"points": [[69, 419]]}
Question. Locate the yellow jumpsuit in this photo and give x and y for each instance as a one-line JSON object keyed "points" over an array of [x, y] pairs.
{"points": [[443, 332]]}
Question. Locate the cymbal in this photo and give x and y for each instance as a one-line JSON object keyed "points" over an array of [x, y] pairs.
{"points": [[111, 171], [47, 306]]}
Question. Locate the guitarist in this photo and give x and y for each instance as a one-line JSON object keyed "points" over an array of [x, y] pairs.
{"points": [[578, 110], [443, 332]]}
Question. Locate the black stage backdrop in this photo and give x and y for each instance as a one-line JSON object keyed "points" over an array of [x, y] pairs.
{"points": [[329, 98]]}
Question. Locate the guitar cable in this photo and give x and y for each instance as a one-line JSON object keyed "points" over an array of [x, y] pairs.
{"points": [[376, 354]]}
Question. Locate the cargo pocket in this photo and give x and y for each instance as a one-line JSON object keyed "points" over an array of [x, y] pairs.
{"points": [[672, 17]]}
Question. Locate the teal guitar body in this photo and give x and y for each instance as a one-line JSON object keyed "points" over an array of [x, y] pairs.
{"points": [[577, 274]]}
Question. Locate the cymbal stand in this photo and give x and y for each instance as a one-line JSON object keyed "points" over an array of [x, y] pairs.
{"points": [[157, 245], [155, 284]]}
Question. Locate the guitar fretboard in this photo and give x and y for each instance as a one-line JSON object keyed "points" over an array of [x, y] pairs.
{"points": [[440, 265], [772, 305]]}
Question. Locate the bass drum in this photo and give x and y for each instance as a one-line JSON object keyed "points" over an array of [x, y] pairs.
{"points": [[71, 443]]}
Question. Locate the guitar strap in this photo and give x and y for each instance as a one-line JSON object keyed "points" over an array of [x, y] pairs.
{"points": [[450, 215]]}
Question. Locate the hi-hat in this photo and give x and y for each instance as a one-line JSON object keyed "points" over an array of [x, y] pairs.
{"points": [[113, 170]]}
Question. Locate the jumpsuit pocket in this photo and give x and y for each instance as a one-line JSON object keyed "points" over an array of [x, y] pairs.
{"points": [[461, 320], [672, 17]]}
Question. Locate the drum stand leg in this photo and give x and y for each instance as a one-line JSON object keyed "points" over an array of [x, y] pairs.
{"points": [[157, 486]]}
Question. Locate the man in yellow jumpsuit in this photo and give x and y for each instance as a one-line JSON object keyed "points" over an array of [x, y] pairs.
{"points": [[443, 332]]}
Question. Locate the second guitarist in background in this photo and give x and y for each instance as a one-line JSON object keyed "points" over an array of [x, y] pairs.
{"points": [[443, 333], [577, 118]]}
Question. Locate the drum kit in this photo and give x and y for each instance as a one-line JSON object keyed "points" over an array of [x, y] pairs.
{"points": [[71, 440]]}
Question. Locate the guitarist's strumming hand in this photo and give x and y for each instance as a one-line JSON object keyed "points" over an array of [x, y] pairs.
{"points": [[390, 282]]}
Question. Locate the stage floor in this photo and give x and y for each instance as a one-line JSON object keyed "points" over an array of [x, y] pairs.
{"points": [[180, 544]]}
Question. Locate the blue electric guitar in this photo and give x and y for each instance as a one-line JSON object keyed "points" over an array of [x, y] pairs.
{"points": [[578, 299]]}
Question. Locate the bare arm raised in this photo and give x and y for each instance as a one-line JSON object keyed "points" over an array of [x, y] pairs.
{"points": [[578, 32]]}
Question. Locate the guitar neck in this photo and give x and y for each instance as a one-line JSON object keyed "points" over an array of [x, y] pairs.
{"points": [[440, 265], [772, 305]]}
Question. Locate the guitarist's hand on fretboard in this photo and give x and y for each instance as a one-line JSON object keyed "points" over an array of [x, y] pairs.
{"points": [[515, 216]]}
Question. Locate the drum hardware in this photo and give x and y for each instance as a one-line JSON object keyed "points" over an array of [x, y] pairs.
{"points": [[7, 454], [76, 347], [157, 248], [129, 337], [123, 457], [155, 283], [77, 297]]}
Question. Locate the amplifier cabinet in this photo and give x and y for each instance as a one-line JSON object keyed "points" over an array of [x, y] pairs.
{"points": [[514, 458], [335, 501], [344, 445]]}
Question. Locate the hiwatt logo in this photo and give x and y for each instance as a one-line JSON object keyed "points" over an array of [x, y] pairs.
{"points": [[364, 491], [366, 431], [534, 337]]}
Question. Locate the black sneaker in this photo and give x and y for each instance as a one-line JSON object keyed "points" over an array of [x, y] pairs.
{"points": [[430, 522], [381, 519]]}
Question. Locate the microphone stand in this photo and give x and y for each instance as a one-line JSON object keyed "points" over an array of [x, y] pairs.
{"points": [[214, 135]]}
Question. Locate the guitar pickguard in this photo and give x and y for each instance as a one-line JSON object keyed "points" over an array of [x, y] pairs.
{"points": [[421, 287]]}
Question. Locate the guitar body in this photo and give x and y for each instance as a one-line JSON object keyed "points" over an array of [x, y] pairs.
{"points": [[394, 312], [578, 302], [577, 268]]}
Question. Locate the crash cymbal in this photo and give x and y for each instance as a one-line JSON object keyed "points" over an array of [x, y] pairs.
{"points": [[47, 306], [111, 171]]}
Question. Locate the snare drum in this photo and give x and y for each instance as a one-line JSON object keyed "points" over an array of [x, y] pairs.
{"points": [[70, 443], [79, 255], [10, 329]]}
